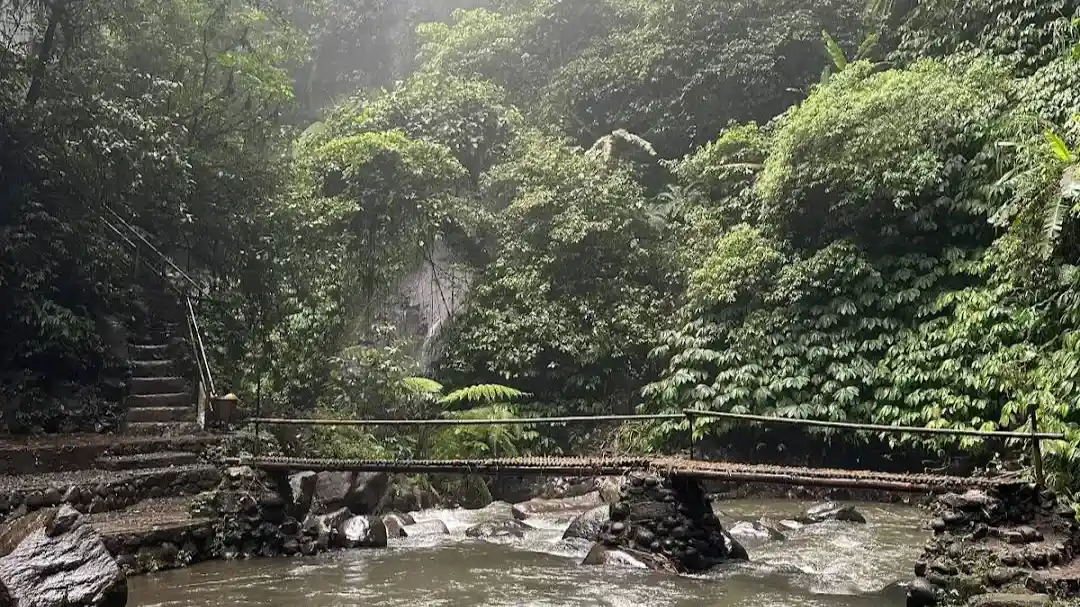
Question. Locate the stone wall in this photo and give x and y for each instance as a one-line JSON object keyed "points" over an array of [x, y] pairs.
{"points": [[1015, 539], [169, 546], [96, 497], [667, 517], [261, 515]]}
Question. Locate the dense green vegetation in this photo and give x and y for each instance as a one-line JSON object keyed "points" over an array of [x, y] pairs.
{"points": [[834, 210]]}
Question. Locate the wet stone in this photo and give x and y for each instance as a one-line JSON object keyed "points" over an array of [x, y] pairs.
{"points": [[921, 593], [51, 497], [1030, 534], [944, 568]]}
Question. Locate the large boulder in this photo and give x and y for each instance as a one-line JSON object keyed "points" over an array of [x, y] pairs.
{"points": [[587, 525], [627, 557], [302, 491], [326, 527], [58, 559], [423, 528], [362, 532], [831, 511], [503, 528], [360, 492], [538, 506]]}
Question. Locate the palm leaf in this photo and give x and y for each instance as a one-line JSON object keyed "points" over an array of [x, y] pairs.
{"points": [[482, 393], [834, 50]]}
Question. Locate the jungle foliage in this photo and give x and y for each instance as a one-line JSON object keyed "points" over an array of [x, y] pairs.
{"points": [[835, 210]]}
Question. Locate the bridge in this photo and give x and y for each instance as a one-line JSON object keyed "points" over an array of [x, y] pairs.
{"points": [[664, 466], [667, 466]]}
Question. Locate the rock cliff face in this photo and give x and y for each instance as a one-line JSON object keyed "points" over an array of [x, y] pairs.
{"points": [[669, 518], [54, 557]]}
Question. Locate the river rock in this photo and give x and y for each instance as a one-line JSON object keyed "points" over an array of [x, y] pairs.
{"points": [[538, 505], [495, 511], [626, 557], [755, 530], [302, 491], [326, 526], [504, 528], [921, 593], [362, 532], [832, 511], [587, 525], [360, 492], [69, 566], [610, 487], [1009, 600], [735, 550], [893, 594], [432, 527], [562, 487], [971, 501], [395, 522]]}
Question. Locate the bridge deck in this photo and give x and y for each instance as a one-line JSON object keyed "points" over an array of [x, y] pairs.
{"points": [[673, 466]]}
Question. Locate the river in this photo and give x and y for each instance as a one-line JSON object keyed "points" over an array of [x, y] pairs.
{"points": [[828, 565]]}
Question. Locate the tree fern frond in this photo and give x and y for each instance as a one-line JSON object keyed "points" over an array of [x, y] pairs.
{"points": [[482, 393], [422, 385]]}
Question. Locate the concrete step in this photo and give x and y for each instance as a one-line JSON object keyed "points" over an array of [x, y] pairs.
{"points": [[152, 368], [161, 414], [141, 386], [149, 352], [161, 459], [167, 399], [160, 428]]}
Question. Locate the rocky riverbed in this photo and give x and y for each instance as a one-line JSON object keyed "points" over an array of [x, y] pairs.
{"points": [[475, 563]]}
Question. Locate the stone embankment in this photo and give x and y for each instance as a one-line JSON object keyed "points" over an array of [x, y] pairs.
{"points": [[1012, 546]]}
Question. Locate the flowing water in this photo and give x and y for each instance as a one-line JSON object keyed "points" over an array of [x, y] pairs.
{"points": [[827, 565]]}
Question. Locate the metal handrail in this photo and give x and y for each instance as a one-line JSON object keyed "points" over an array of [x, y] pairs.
{"points": [[198, 344], [200, 348]]}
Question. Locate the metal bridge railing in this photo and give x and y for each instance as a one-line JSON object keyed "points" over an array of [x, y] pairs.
{"points": [[135, 240], [690, 415]]}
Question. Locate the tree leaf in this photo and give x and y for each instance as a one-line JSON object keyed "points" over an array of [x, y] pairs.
{"points": [[1057, 145]]}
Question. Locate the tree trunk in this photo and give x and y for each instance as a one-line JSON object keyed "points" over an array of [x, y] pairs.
{"points": [[48, 43]]}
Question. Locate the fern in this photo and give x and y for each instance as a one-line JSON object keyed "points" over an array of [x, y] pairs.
{"points": [[482, 393], [422, 385]]}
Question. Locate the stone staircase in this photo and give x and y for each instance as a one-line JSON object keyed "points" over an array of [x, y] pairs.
{"points": [[160, 402]]}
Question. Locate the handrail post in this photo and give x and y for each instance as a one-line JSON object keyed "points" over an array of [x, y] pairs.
{"points": [[693, 443], [1036, 446]]}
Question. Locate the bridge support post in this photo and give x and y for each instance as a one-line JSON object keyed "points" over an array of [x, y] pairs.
{"points": [[693, 441], [670, 518], [1036, 446]]}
